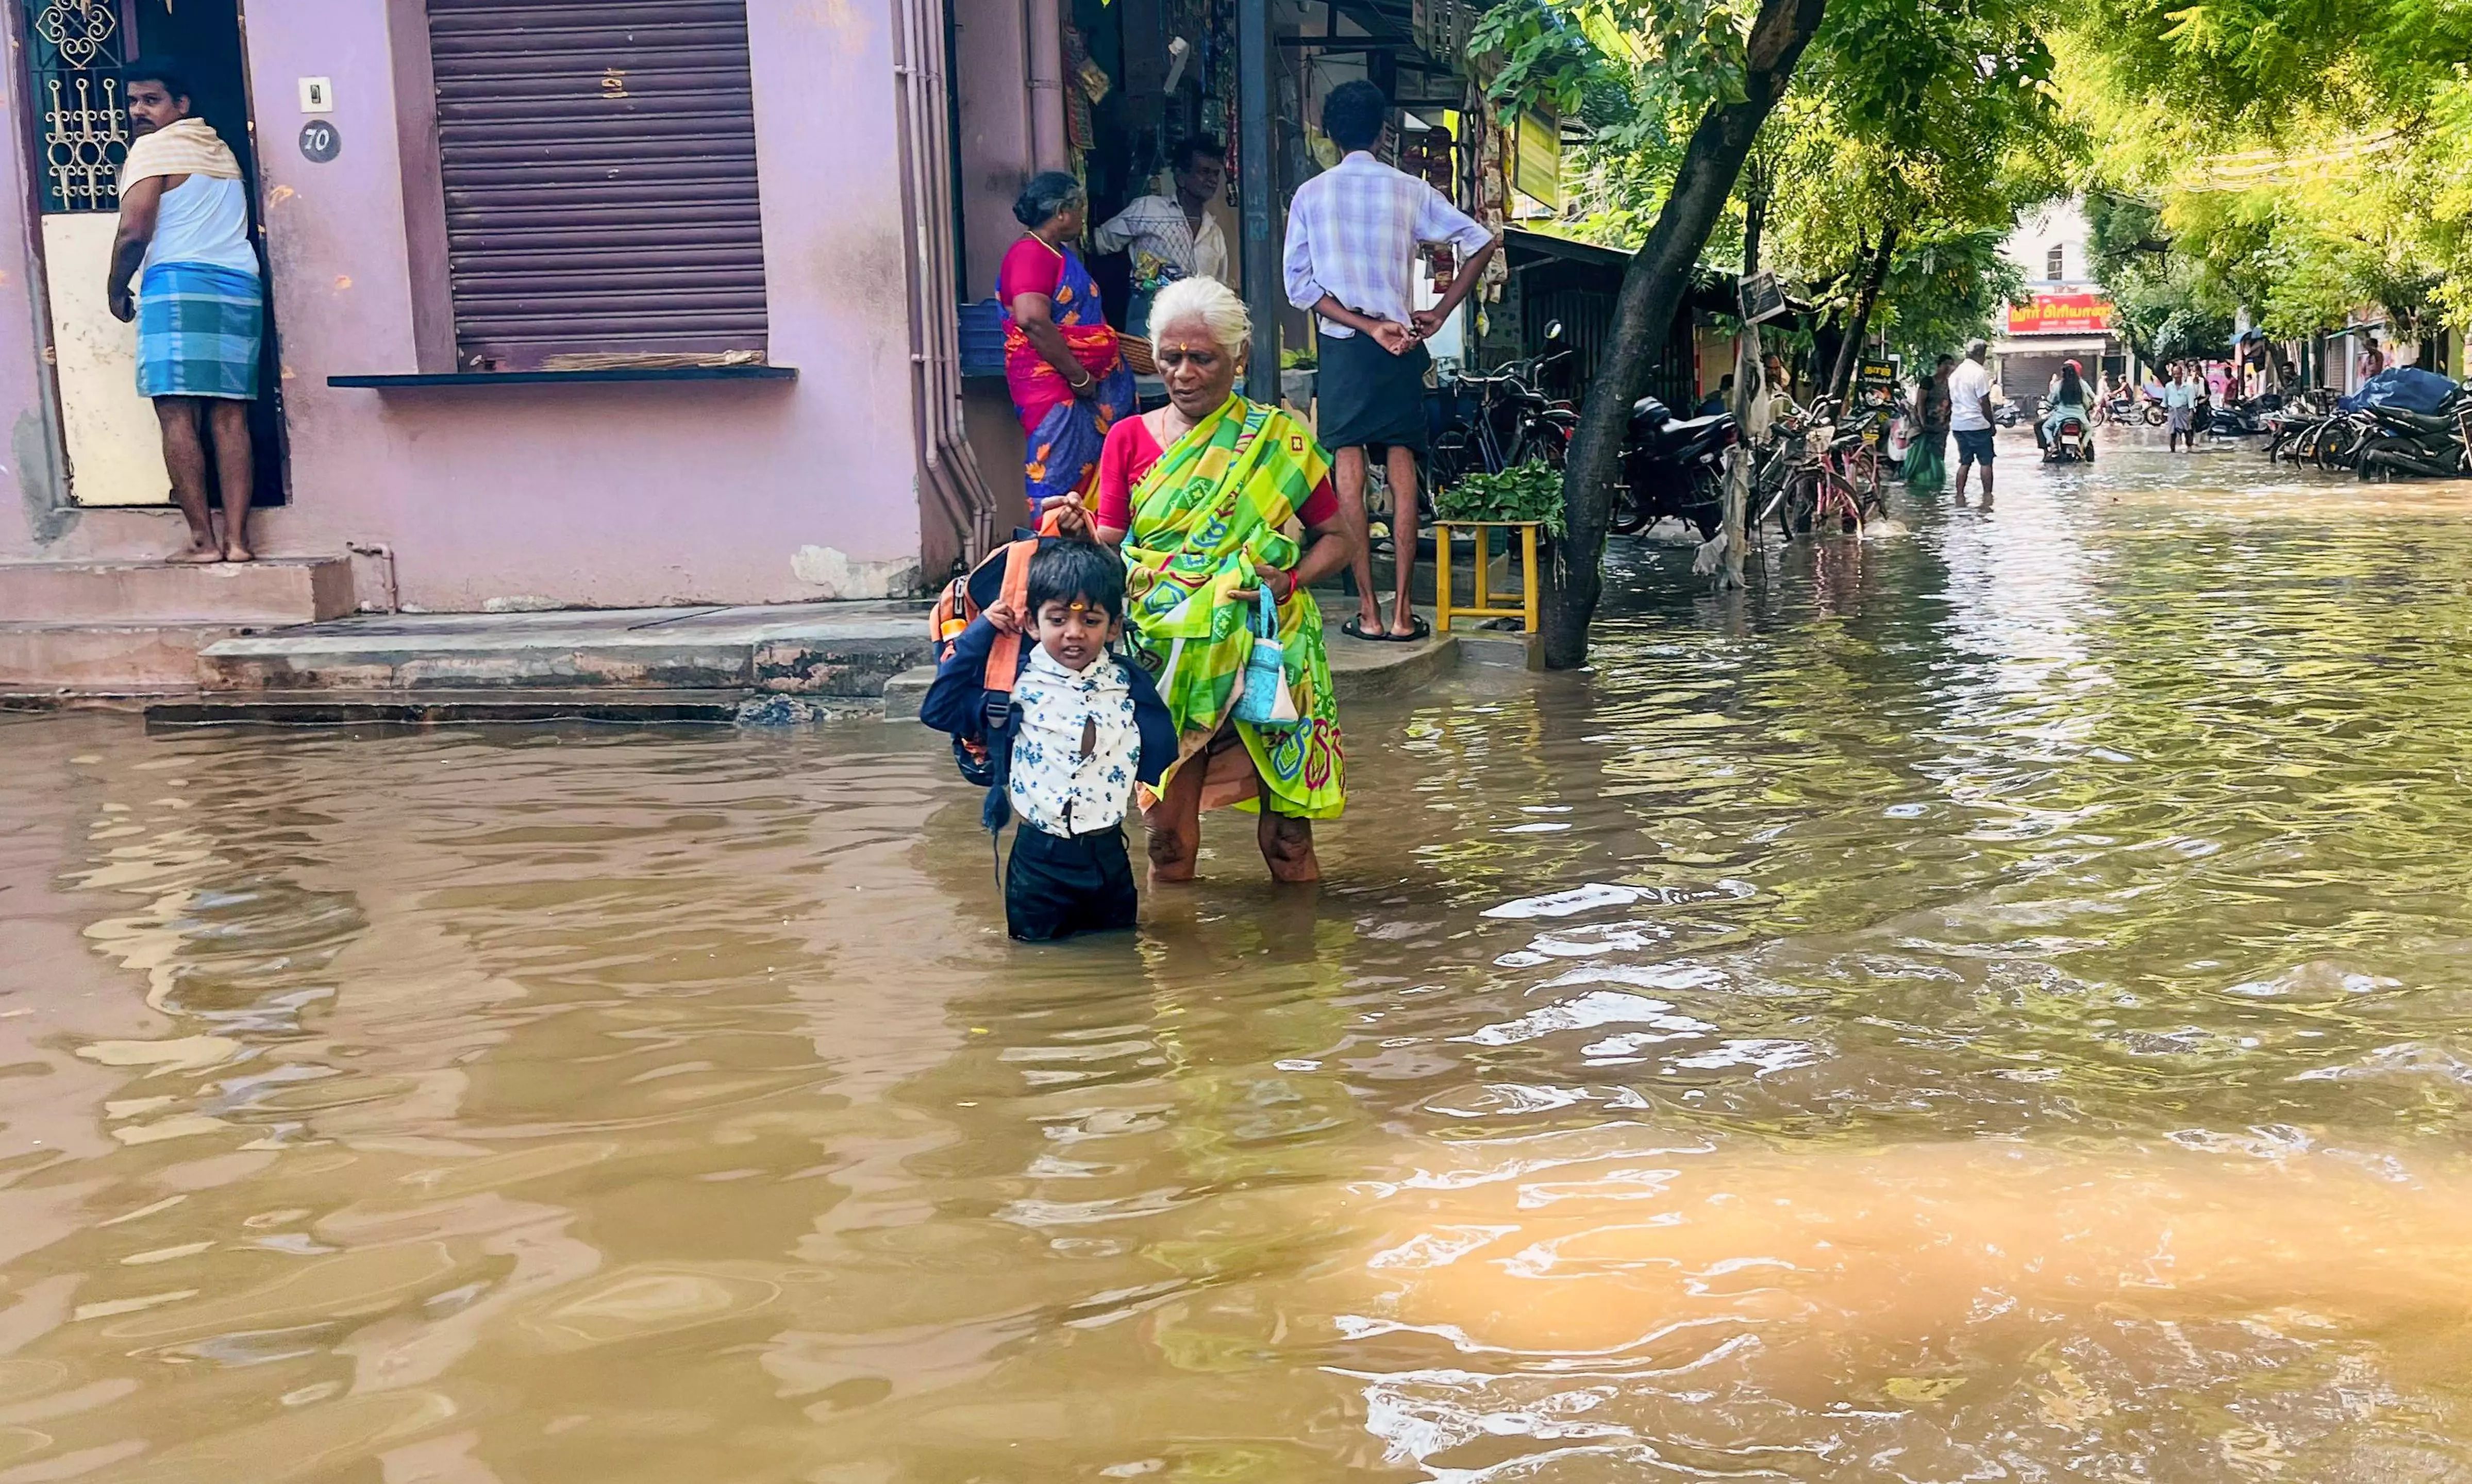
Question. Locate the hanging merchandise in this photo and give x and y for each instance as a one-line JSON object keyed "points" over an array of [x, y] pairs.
{"points": [[1491, 149], [1081, 74], [1427, 154]]}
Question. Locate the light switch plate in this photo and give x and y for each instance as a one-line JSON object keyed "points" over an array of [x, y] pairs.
{"points": [[317, 95]]}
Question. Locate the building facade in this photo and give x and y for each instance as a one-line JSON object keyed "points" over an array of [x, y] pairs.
{"points": [[2066, 316], [622, 302]]}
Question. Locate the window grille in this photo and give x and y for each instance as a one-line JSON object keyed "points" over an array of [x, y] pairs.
{"points": [[74, 56]]}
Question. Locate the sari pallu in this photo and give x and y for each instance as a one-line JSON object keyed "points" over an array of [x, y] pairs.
{"points": [[1211, 506], [1066, 433]]}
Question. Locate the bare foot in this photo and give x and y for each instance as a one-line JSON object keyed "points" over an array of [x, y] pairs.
{"points": [[234, 551], [197, 556]]}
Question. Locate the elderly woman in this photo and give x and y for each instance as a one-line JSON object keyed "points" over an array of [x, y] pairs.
{"points": [[1061, 365], [1203, 495]]}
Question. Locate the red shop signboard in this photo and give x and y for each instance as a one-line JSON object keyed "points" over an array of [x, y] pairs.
{"points": [[2061, 314]]}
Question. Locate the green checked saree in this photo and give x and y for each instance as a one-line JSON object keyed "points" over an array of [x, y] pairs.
{"points": [[1215, 503]]}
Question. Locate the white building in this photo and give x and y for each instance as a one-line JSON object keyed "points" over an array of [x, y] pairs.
{"points": [[2067, 318]]}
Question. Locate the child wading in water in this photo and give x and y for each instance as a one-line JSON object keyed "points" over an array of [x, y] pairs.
{"points": [[1080, 728]]}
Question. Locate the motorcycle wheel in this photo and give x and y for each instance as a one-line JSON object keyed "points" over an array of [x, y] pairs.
{"points": [[2154, 418], [1629, 516], [1707, 509]]}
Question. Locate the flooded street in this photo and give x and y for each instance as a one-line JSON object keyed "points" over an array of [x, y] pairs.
{"points": [[1990, 1004]]}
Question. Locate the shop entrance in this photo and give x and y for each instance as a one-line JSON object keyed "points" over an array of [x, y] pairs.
{"points": [[73, 54]]}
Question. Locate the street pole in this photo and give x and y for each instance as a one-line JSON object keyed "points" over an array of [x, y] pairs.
{"points": [[1254, 186]]}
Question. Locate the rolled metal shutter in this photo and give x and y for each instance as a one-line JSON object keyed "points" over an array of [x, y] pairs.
{"points": [[599, 159]]}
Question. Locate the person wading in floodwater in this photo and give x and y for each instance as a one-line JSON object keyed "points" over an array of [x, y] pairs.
{"points": [[2180, 409], [1199, 496], [199, 310], [1970, 418]]}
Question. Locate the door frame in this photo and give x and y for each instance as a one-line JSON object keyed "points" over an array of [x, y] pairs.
{"points": [[273, 453]]}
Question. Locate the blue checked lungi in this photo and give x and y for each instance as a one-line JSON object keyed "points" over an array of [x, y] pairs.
{"points": [[199, 330]]}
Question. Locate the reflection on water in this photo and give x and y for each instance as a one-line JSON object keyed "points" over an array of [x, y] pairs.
{"points": [[1988, 1005]]}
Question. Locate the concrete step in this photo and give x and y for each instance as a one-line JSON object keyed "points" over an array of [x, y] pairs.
{"points": [[270, 591], [421, 710], [819, 649], [104, 658]]}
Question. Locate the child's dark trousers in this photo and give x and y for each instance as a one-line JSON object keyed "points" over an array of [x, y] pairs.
{"points": [[1057, 886]]}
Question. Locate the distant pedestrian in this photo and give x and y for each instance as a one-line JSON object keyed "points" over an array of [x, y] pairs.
{"points": [[1969, 417], [1067, 375], [200, 309], [1780, 383], [1926, 470], [1353, 231], [2373, 358], [1173, 236], [2181, 408]]}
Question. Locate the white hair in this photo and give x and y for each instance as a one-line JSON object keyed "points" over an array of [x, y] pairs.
{"points": [[1211, 303]]}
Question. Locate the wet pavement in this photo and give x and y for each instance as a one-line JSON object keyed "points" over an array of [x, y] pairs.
{"points": [[1990, 1003]]}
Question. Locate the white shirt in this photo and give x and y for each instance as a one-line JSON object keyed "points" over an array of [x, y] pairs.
{"points": [[1156, 227], [1055, 786], [1967, 386], [1353, 232], [203, 220]]}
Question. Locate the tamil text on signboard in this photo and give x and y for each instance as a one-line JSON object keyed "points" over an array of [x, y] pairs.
{"points": [[2047, 313]]}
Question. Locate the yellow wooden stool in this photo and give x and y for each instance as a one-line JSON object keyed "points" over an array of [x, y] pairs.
{"points": [[1484, 608]]}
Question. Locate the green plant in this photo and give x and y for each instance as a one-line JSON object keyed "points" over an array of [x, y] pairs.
{"points": [[1525, 491]]}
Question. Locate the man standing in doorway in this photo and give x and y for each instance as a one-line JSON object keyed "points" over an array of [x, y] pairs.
{"points": [[1353, 231], [1174, 236], [1970, 418], [199, 310]]}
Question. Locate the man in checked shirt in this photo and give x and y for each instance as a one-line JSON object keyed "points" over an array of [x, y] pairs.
{"points": [[1353, 231]]}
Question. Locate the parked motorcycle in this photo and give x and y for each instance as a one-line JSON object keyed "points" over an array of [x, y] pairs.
{"points": [[2124, 410], [1672, 466], [2007, 415], [2397, 440], [2240, 419]]}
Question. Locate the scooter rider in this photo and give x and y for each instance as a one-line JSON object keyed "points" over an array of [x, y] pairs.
{"points": [[2068, 400]]}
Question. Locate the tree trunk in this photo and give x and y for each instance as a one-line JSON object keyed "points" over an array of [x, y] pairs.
{"points": [[1849, 353], [1652, 287]]}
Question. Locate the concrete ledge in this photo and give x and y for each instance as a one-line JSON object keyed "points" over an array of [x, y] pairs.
{"points": [[422, 709], [1364, 670], [826, 649]]}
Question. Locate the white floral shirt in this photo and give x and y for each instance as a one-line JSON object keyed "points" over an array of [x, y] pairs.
{"points": [[1056, 786]]}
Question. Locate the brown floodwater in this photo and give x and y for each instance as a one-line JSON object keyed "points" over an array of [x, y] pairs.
{"points": [[1990, 1004]]}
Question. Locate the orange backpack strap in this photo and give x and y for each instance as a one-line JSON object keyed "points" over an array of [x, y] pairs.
{"points": [[1003, 656]]}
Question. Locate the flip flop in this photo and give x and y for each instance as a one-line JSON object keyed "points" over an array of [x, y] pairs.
{"points": [[1354, 628], [1416, 634]]}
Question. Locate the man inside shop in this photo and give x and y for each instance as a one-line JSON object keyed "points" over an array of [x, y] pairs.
{"points": [[1174, 236], [1353, 231]]}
